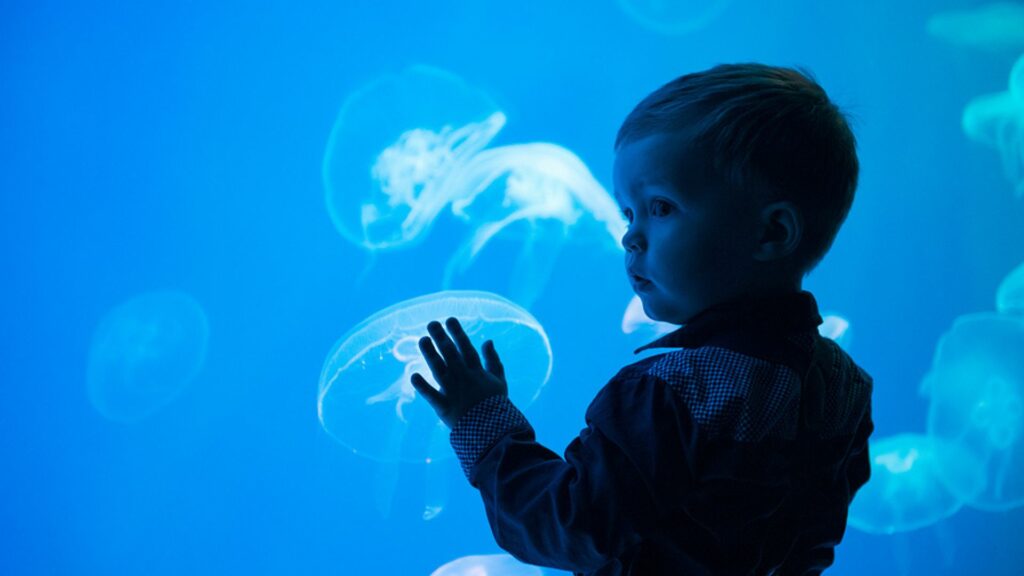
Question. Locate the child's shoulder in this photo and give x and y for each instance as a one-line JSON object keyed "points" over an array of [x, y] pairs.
{"points": [[747, 397]]}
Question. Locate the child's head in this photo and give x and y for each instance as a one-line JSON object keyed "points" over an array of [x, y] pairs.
{"points": [[735, 181]]}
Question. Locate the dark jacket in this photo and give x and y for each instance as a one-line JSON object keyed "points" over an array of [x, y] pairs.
{"points": [[738, 453]]}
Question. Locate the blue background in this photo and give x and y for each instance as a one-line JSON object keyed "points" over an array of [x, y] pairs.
{"points": [[177, 145]]}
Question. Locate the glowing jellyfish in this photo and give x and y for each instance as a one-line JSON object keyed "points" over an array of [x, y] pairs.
{"points": [[997, 120], [366, 401], [976, 393], [144, 352], [1010, 295], [674, 16], [487, 565], [836, 328], [408, 146], [393, 145], [635, 320], [910, 485], [995, 26], [543, 189]]}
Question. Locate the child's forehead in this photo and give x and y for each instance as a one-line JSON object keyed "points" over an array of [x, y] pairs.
{"points": [[657, 161]]}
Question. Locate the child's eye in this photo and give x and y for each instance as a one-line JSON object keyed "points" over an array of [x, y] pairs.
{"points": [[628, 214], [660, 207]]}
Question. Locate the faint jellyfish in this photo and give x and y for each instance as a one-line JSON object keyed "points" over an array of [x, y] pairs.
{"points": [[392, 146], [487, 565], [997, 120], [911, 476], [541, 190], [674, 17], [976, 392], [144, 352], [635, 320], [1010, 295], [836, 328], [367, 403], [996, 26]]}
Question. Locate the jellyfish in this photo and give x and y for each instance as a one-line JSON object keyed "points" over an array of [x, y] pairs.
{"points": [[540, 188], [673, 17], [487, 565], [997, 121], [975, 389], [367, 403], [911, 480], [1010, 295], [392, 146], [996, 26], [144, 352], [635, 320], [408, 146], [836, 328]]}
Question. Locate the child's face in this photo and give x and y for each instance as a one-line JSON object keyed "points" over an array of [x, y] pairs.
{"points": [[690, 241]]}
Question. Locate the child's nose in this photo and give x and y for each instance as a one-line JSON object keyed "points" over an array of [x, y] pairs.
{"points": [[632, 240]]}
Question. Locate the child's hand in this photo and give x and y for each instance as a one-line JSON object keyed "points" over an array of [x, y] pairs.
{"points": [[458, 372]]}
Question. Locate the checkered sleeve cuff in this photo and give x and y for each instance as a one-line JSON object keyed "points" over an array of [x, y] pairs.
{"points": [[482, 426]]}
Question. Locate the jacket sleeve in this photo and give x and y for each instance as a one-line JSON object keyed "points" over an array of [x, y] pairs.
{"points": [[582, 511]]}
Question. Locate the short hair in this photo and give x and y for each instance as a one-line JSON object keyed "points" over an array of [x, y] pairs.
{"points": [[767, 128]]}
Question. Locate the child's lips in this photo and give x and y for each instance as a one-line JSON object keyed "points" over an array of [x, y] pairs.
{"points": [[638, 281]]}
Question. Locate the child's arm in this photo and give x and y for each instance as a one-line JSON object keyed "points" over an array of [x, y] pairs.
{"points": [[584, 511]]}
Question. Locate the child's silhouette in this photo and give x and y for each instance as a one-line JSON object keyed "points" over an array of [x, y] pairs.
{"points": [[740, 451]]}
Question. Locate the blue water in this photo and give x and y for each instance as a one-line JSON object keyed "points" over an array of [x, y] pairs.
{"points": [[178, 148]]}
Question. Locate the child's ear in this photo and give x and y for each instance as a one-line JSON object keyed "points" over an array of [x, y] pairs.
{"points": [[781, 228]]}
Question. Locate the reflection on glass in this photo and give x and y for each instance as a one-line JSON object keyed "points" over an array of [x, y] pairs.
{"points": [[144, 352]]}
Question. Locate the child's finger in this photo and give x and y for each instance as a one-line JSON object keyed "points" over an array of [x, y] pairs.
{"points": [[431, 395], [469, 354], [493, 363], [445, 346], [434, 360]]}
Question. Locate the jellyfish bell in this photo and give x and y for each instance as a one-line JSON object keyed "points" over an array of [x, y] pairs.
{"points": [[635, 320], [144, 352], [1010, 294], [975, 389], [911, 480], [836, 328], [487, 565], [366, 401], [995, 26], [673, 17], [392, 145], [997, 120]]}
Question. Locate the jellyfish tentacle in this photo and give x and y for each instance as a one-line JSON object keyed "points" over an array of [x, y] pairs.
{"points": [[535, 262], [438, 191], [469, 250], [437, 478]]}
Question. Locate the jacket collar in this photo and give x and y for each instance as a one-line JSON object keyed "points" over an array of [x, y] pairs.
{"points": [[740, 324]]}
